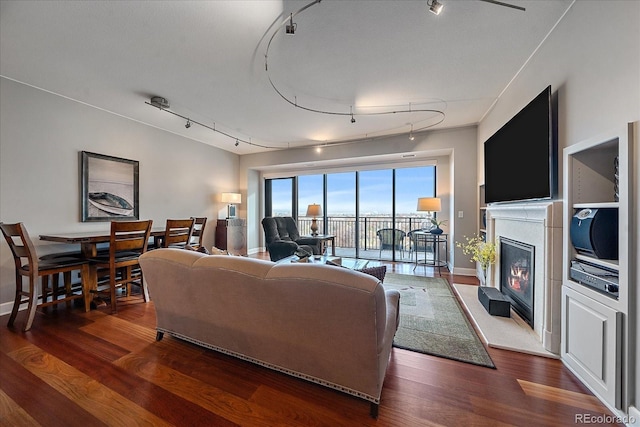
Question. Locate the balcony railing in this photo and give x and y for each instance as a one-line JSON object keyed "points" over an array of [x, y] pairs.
{"points": [[344, 228]]}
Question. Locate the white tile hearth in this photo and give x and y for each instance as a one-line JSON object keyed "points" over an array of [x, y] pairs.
{"points": [[508, 333]]}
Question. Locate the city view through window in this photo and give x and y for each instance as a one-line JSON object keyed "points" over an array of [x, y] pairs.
{"points": [[358, 205]]}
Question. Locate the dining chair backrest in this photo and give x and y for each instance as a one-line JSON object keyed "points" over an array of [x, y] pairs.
{"points": [[177, 233], [199, 223], [129, 236], [22, 248]]}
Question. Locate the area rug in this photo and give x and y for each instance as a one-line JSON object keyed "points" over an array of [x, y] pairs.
{"points": [[432, 321]]}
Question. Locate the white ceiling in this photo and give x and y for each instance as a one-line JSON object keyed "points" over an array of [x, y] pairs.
{"points": [[207, 58]]}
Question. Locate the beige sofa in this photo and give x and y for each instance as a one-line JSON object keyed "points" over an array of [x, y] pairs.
{"points": [[329, 325]]}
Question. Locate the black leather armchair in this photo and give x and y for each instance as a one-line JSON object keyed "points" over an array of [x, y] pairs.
{"points": [[283, 239]]}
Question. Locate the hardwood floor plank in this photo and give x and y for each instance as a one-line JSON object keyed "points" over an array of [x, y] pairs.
{"points": [[230, 407], [571, 398], [12, 414], [85, 392], [95, 369]]}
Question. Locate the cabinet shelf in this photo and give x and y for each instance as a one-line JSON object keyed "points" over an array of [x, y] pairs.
{"points": [[597, 338]]}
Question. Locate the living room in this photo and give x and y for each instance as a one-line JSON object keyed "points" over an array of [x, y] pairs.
{"points": [[591, 59]]}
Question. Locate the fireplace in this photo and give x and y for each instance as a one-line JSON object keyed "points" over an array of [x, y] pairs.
{"points": [[517, 276], [537, 224]]}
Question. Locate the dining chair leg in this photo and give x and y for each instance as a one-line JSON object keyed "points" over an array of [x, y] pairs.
{"points": [[66, 277], [112, 286], [88, 274], [17, 300], [32, 304]]}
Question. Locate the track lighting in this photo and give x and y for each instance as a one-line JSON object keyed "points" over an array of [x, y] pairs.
{"points": [[353, 120], [291, 27], [411, 137], [163, 105], [435, 6]]}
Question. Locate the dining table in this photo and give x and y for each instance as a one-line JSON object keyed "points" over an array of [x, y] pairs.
{"points": [[89, 242]]}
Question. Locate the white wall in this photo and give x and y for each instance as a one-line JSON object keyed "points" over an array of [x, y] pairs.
{"points": [[41, 135], [453, 149], [592, 62]]}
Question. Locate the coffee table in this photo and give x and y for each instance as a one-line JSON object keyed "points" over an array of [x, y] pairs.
{"points": [[351, 263]]}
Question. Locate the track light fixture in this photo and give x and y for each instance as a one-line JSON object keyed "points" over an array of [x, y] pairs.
{"points": [[435, 6], [291, 26], [411, 137], [162, 104]]}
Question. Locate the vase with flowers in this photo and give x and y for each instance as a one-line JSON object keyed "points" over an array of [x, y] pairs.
{"points": [[436, 226], [481, 251]]}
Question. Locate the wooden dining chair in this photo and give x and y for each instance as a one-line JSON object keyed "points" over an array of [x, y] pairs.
{"points": [[27, 264], [177, 233], [199, 224], [129, 240]]}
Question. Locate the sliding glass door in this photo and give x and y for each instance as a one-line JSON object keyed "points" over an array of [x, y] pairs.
{"points": [[370, 212]]}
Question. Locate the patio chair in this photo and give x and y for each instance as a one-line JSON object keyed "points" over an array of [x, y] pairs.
{"points": [[391, 238]]}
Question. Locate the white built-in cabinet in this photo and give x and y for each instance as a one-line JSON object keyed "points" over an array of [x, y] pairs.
{"points": [[598, 339]]}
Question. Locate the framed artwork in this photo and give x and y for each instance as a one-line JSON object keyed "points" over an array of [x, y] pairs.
{"points": [[109, 188]]}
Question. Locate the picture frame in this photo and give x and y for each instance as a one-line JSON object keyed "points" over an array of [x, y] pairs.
{"points": [[109, 188]]}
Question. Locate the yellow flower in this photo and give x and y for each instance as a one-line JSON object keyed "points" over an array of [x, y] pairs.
{"points": [[479, 250]]}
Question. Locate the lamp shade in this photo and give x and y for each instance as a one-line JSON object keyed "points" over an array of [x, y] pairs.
{"points": [[314, 210], [429, 204], [232, 197]]}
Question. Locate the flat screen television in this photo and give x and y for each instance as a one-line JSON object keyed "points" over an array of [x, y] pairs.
{"points": [[521, 158]]}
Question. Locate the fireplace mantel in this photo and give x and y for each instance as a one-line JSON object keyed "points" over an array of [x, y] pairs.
{"points": [[538, 224]]}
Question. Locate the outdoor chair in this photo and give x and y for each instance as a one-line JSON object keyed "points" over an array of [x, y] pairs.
{"points": [[391, 238]]}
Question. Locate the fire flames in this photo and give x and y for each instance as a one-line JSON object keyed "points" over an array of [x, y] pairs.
{"points": [[519, 277]]}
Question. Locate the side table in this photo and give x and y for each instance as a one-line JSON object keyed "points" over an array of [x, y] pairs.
{"points": [[434, 241], [324, 238]]}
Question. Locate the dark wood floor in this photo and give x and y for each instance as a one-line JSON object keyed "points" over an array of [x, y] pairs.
{"points": [[91, 369]]}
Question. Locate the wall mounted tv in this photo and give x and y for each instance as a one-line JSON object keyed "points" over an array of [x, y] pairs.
{"points": [[521, 158]]}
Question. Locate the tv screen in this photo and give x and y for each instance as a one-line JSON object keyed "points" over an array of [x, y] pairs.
{"points": [[520, 159]]}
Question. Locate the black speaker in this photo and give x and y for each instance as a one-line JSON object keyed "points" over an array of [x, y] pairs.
{"points": [[594, 232]]}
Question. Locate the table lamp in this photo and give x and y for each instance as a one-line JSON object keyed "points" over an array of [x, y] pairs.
{"points": [[314, 210], [429, 204], [231, 199]]}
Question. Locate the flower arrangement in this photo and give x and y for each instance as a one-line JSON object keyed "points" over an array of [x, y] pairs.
{"points": [[437, 223], [480, 250]]}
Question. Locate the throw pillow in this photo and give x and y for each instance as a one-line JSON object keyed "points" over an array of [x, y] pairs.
{"points": [[378, 272], [216, 251]]}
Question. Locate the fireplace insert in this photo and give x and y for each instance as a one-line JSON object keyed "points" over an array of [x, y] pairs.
{"points": [[517, 276]]}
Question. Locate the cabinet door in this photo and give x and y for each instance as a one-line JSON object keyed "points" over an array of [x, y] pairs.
{"points": [[592, 344]]}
